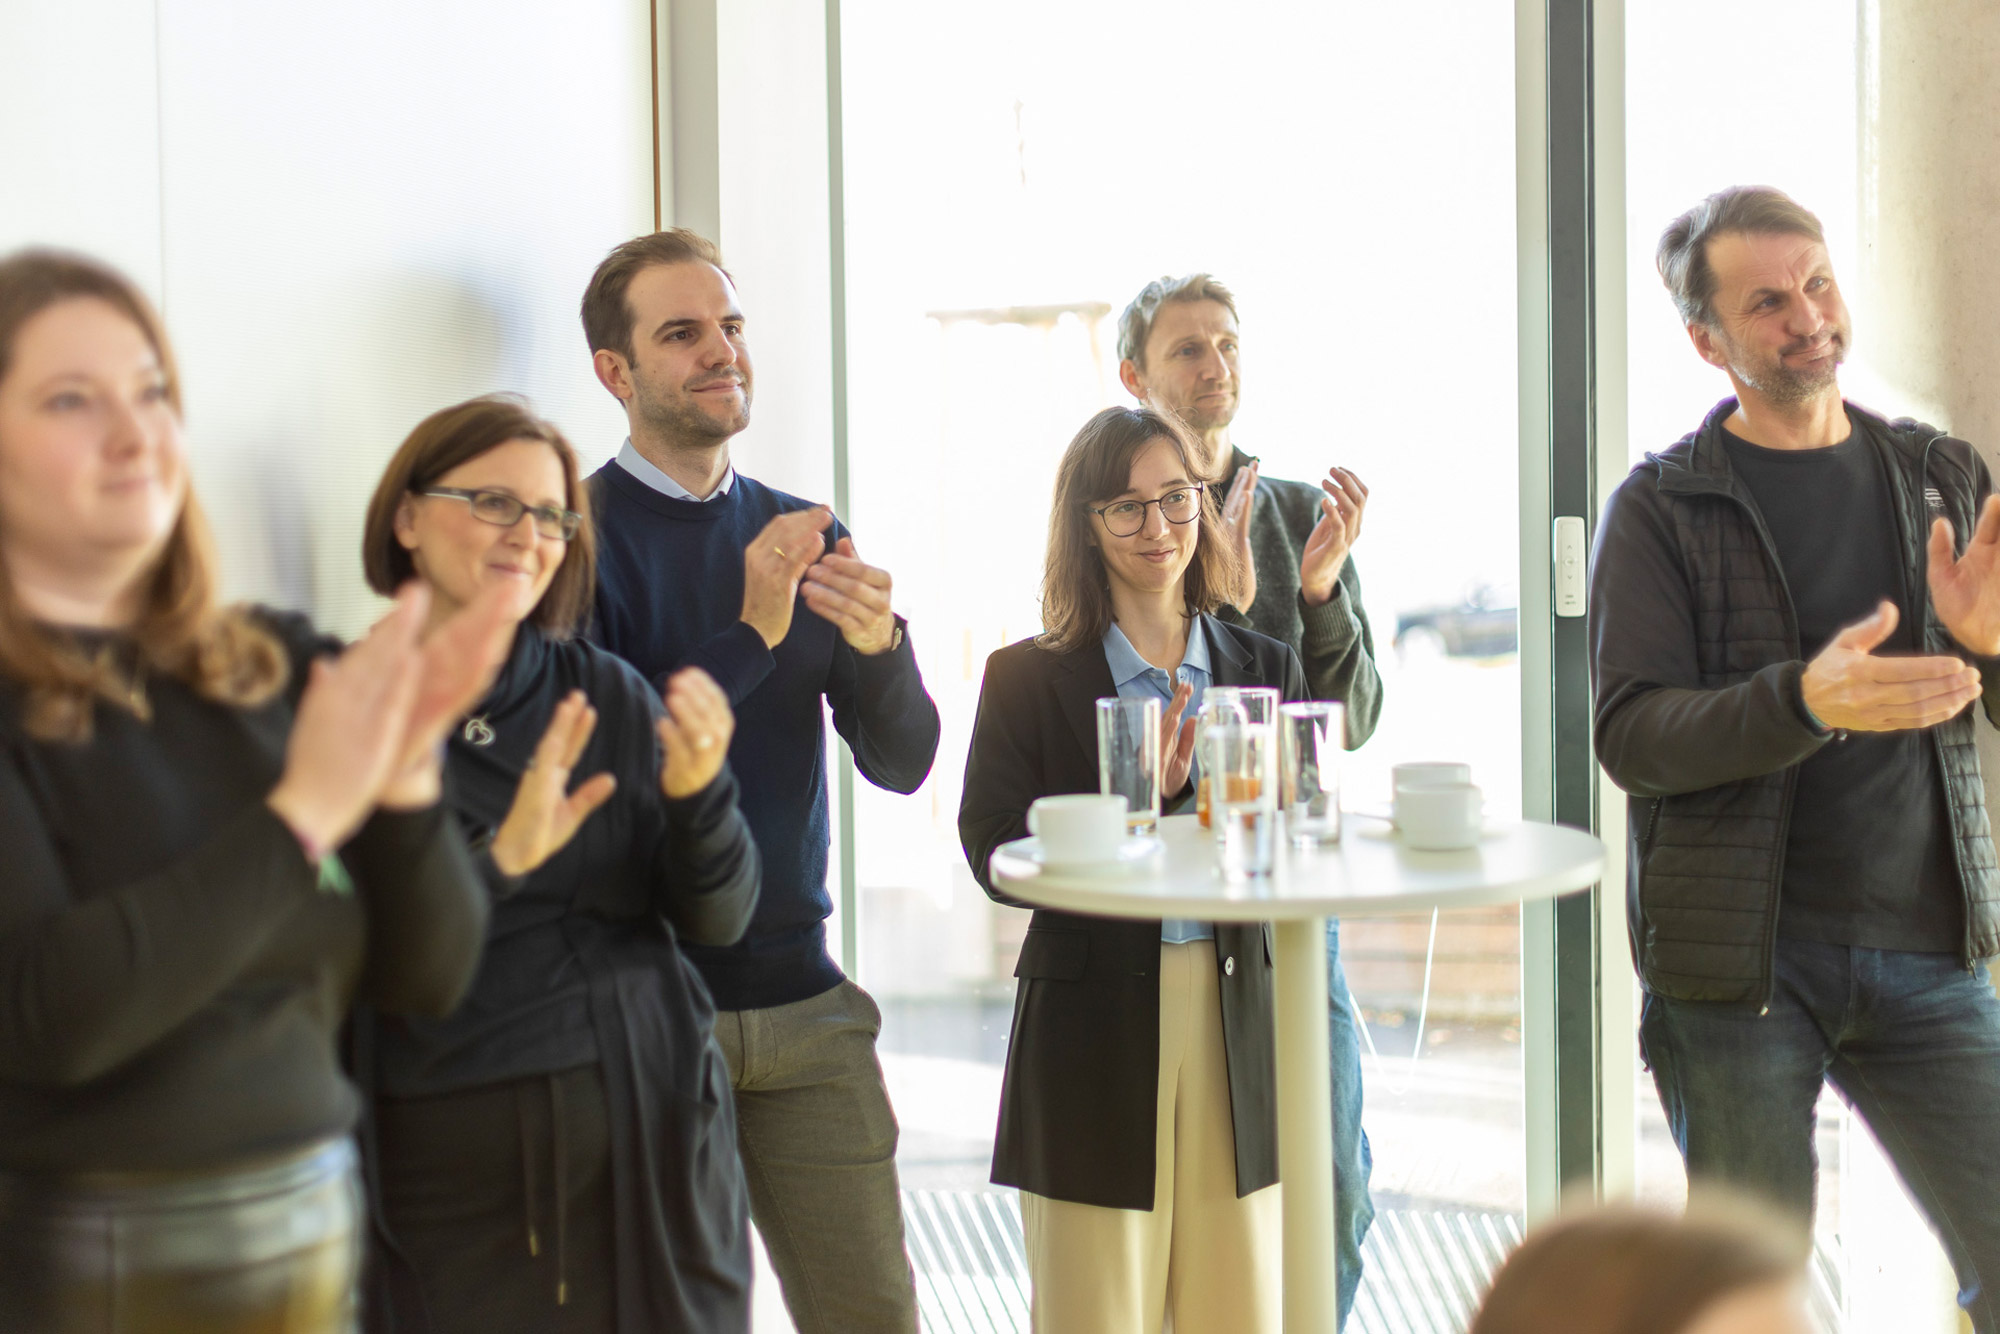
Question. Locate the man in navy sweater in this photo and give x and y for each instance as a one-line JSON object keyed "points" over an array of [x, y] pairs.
{"points": [[699, 565]]}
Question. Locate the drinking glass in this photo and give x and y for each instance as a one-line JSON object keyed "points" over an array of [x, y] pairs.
{"points": [[1226, 704], [1128, 758], [1239, 760], [1310, 738]]}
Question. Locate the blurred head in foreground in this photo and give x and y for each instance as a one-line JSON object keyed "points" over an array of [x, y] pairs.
{"points": [[1727, 1267]]}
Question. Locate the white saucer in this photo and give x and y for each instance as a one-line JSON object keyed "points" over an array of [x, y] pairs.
{"points": [[1389, 833], [1135, 851]]}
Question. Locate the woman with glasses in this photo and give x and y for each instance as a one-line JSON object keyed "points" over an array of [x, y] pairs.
{"points": [[213, 835], [560, 1152], [1138, 1112]]}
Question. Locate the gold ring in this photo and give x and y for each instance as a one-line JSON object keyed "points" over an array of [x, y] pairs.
{"points": [[780, 550]]}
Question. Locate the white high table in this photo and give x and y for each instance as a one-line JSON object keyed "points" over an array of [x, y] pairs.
{"points": [[1367, 874]]}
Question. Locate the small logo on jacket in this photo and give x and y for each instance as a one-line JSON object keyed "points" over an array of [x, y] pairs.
{"points": [[1934, 498]]}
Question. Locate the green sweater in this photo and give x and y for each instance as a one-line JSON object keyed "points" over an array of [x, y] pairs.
{"points": [[1332, 640]]}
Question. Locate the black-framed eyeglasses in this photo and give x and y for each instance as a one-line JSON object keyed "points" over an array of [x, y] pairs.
{"points": [[504, 511], [1122, 518]]}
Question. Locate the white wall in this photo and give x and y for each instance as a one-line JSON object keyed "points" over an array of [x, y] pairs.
{"points": [[79, 132], [353, 215]]}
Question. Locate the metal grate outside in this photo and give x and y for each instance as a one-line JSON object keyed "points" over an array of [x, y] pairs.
{"points": [[1423, 1270], [972, 1271]]}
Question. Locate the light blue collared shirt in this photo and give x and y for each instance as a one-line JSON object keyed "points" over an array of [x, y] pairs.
{"points": [[1136, 678], [632, 461]]}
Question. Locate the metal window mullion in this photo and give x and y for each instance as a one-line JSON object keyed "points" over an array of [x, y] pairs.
{"points": [[1562, 982], [836, 186], [1573, 491]]}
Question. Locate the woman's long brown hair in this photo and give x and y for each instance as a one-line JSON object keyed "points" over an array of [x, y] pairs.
{"points": [[181, 633]]}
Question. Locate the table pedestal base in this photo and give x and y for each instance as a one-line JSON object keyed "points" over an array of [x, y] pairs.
{"points": [[1305, 1127]]}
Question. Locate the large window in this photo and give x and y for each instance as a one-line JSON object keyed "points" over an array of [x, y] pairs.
{"points": [[1013, 177]]}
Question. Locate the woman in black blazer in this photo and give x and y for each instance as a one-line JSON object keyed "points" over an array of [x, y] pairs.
{"points": [[1138, 1113]]}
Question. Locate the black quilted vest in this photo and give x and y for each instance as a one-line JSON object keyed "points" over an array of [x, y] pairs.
{"points": [[1699, 858]]}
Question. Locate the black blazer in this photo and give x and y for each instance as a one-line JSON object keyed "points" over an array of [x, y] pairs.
{"points": [[1078, 1104]]}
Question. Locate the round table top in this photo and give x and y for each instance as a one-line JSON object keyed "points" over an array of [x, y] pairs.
{"points": [[1369, 873]]}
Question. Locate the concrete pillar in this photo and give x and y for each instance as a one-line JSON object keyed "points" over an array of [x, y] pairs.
{"points": [[1930, 294], [745, 162], [1930, 224]]}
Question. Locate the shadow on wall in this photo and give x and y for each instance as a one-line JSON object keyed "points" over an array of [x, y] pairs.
{"points": [[300, 459]]}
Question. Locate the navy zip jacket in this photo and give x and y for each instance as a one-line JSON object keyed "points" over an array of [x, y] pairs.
{"points": [[670, 595]]}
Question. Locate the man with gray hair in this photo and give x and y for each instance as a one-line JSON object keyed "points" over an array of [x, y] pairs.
{"points": [[1792, 611], [1177, 349]]}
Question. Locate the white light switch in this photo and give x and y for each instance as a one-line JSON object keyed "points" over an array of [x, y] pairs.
{"points": [[1571, 567]]}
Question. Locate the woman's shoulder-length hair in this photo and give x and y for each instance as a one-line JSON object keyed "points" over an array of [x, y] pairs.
{"points": [[458, 434], [181, 632], [1076, 591]]}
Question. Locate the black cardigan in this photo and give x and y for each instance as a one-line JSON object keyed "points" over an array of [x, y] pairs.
{"points": [[583, 965], [1078, 1103]]}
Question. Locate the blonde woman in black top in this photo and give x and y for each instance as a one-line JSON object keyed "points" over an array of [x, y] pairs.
{"points": [[215, 837]]}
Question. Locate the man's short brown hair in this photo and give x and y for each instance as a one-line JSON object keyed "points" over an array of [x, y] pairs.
{"points": [[1135, 326], [458, 435], [1683, 253], [607, 320]]}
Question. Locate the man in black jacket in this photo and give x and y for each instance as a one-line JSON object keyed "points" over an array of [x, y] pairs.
{"points": [[1792, 610]]}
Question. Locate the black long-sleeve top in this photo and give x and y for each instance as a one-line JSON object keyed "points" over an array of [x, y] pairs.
{"points": [[173, 971], [640, 873]]}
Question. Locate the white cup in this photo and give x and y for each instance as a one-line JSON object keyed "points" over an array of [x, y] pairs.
{"points": [[1422, 773], [1439, 817], [1429, 773], [1078, 829]]}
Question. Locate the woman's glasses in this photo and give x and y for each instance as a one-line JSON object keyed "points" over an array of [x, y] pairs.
{"points": [[1122, 518], [504, 511]]}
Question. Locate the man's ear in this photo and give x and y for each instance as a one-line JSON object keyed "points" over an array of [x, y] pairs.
{"points": [[1705, 346], [1128, 375], [613, 372]]}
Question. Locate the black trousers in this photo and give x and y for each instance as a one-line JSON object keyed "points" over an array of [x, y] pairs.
{"points": [[497, 1200], [266, 1250]]}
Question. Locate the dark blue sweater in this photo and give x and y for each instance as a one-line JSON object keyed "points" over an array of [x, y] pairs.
{"points": [[670, 595]]}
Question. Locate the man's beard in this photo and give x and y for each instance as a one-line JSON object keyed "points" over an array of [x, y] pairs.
{"points": [[1783, 384], [1197, 418], [675, 417]]}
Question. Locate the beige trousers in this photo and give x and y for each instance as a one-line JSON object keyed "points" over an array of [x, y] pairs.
{"points": [[1200, 1261]]}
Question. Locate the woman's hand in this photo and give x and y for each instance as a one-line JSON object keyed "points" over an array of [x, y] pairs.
{"points": [[1176, 742], [546, 814], [694, 733], [348, 736], [419, 786]]}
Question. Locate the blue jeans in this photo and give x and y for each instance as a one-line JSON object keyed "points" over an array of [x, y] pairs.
{"points": [[1353, 1211], [1912, 1044]]}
